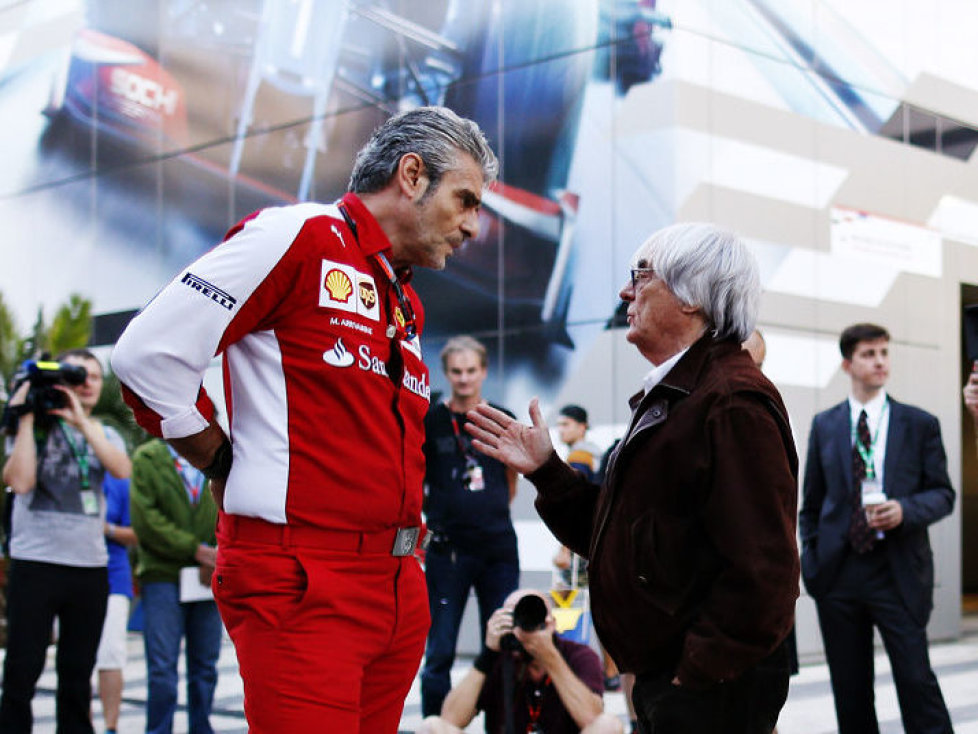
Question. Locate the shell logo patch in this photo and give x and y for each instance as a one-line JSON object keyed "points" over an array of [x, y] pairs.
{"points": [[344, 288], [338, 284]]}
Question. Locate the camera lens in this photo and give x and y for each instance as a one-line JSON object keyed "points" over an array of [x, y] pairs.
{"points": [[530, 613], [73, 374]]}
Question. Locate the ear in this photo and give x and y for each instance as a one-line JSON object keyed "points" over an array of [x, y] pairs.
{"points": [[847, 366], [412, 177]]}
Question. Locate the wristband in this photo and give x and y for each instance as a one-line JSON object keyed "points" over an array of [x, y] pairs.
{"points": [[220, 465], [485, 661], [20, 410]]}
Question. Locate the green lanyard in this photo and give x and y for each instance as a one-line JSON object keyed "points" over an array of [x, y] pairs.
{"points": [[867, 454], [80, 456]]}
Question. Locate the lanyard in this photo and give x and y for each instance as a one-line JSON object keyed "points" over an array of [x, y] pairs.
{"points": [[191, 476], [404, 313], [534, 703], [463, 449], [81, 455], [193, 487], [867, 454]]}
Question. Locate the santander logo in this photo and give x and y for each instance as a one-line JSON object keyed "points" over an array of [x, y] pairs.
{"points": [[339, 355]]}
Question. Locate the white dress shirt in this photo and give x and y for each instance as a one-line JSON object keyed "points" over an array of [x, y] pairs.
{"points": [[878, 417]]}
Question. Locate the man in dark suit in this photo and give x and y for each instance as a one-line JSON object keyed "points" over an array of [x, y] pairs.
{"points": [[866, 558]]}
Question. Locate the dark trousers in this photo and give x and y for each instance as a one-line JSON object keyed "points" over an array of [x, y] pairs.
{"points": [[451, 575], [865, 595], [748, 705], [36, 594]]}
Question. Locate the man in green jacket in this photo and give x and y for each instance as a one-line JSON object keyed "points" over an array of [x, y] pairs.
{"points": [[174, 516]]}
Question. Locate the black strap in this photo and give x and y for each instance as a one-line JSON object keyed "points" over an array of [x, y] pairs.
{"points": [[220, 466]]}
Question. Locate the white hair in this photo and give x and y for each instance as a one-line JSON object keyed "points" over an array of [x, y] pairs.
{"points": [[711, 269]]}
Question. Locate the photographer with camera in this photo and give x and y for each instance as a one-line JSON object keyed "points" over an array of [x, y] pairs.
{"points": [[529, 678], [55, 466]]}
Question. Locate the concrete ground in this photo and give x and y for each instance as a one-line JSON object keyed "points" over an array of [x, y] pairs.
{"points": [[808, 710]]}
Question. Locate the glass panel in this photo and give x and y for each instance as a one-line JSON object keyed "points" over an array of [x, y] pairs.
{"points": [[921, 129]]}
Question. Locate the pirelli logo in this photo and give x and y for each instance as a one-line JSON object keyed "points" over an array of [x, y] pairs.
{"points": [[211, 291]]}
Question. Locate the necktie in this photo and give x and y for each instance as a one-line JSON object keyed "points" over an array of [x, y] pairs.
{"points": [[861, 536]]}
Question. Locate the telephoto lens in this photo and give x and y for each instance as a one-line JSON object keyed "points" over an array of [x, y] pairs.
{"points": [[530, 615]]}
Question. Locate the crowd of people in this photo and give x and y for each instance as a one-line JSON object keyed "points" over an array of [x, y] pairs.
{"points": [[79, 506], [300, 525]]}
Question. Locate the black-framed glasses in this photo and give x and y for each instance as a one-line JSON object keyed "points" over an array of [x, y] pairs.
{"points": [[639, 275]]}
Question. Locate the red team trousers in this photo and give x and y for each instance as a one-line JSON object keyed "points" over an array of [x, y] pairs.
{"points": [[328, 626]]}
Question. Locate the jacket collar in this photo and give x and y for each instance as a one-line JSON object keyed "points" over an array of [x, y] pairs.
{"points": [[840, 432], [370, 237], [684, 376]]}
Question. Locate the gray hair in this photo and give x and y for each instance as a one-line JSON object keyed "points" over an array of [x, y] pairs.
{"points": [[711, 269], [436, 134]]}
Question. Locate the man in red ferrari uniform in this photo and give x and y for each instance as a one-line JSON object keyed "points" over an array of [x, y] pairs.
{"points": [[319, 483]]}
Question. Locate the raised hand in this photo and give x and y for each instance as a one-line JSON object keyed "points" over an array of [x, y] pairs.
{"points": [[499, 625], [517, 445], [72, 413]]}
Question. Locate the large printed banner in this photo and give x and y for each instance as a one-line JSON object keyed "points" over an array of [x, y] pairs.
{"points": [[136, 133], [155, 126]]}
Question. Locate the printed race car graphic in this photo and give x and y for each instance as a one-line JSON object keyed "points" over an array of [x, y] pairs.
{"points": [[124, 89], [237, 79]]}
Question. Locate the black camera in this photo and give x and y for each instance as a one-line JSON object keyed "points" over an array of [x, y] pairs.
{"points": [[530, 615], [42, 397]]}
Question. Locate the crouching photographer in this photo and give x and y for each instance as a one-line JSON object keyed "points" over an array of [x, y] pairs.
{"points": [[55, 465], [527, 679]]}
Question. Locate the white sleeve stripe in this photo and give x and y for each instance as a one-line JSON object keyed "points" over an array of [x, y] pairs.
{"points": [[163, 354], [258, 485]]}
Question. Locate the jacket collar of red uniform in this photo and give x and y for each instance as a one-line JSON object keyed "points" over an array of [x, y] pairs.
{"points": [[370, 236]]}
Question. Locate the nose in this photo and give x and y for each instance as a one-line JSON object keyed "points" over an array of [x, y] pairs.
{"points": [[627, 293], [470, 225]]}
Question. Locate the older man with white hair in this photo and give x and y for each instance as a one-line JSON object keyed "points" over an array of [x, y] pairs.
{"points": [[691, 537]]}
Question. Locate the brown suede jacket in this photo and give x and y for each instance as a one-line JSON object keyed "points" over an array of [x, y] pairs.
{"points": [[691, 539]]}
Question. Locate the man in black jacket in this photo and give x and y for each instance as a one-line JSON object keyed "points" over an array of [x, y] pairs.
{"points": [[467, 498]]}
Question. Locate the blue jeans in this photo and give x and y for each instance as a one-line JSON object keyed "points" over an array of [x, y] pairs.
{"points": [[166, 622], [451, 574]]}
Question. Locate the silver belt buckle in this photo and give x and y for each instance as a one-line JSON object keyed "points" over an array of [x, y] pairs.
{"points": [[406, 541]]}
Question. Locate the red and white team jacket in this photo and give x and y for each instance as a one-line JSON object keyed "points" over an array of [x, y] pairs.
{"points": [[326, 393]]}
